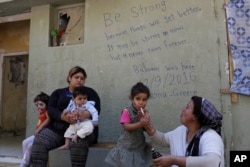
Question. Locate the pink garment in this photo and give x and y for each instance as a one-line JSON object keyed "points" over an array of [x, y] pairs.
{"points": [[125, 117]]}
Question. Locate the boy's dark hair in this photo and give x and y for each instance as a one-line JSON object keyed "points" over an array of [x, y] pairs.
{"points": [[80, 90], [42, 97], [139, 88]]}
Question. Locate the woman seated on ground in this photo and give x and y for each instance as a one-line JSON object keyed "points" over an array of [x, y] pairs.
{"points": [[196, 143]]}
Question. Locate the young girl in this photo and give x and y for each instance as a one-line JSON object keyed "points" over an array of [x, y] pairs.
{"points": [[41, 102], [132, 149]]}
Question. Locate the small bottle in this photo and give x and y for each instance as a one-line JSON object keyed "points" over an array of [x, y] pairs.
{"points": [[155, 154]]}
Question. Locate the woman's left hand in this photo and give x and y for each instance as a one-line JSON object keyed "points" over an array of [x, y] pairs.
{"points": [[163, 161], [68, 117]]}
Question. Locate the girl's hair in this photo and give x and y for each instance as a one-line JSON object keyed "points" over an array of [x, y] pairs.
{"points": [[75, 70], [197, 107], [80, 90], [42, 97], [139, 88]]}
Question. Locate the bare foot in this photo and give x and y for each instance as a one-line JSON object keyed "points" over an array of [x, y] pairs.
{"points": [[63, 147], [74, 138]]}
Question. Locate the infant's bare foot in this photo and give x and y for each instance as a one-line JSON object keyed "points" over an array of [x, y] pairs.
{"points": [[64, 147]]}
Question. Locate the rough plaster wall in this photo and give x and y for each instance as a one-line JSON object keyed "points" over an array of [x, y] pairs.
{"points": [[14, 96], [74, 33], [14, 39], [173, 51], [132, 41], [241, 115], [14, 36]]}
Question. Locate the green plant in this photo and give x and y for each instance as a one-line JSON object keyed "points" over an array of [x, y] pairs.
{"points": [[54, 32]]}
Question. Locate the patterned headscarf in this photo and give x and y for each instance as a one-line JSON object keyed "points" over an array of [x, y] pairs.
{"points": [[209, 118]]}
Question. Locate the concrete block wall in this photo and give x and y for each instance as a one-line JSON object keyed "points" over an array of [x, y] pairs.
{"points": [[96, 156]]}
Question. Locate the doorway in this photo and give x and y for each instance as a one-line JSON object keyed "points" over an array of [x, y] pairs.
{"points": [[14, 93]]}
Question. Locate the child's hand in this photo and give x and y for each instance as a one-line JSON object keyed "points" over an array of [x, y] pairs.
{"points": [[145, 114], [139, 114], [37, 130], [144, 121]]}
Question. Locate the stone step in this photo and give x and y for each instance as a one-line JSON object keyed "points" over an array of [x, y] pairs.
{"points": [[96, 156], [10, 162]]}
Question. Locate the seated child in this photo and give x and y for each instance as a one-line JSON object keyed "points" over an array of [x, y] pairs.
{"points": [[80, 103], [41, 103]]}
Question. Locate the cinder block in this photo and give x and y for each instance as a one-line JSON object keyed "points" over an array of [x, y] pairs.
{"points": [[96, 156], [59, 158]]}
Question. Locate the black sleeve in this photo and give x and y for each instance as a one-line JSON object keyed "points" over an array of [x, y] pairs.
{"points": [[53, 111], [58, 101]]}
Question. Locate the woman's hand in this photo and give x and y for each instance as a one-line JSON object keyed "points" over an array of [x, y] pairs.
{"points": [[68, 117], [163, 161], [169, 160]]}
